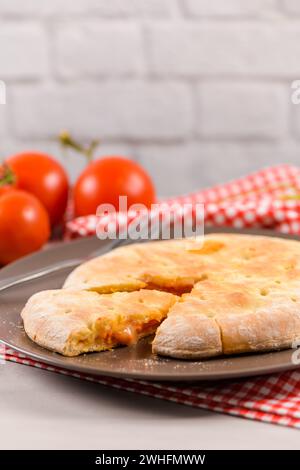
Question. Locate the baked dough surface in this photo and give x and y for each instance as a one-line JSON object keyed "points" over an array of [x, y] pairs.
{"points": [[173, 265], [234, 294], [72, 322], [231, 315]]}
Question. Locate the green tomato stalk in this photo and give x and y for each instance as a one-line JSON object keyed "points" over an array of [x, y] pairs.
{"points": [[67, 141]]}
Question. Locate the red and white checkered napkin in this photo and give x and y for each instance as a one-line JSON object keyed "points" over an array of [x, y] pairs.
{"points": [[269, 198], [272, 399]]}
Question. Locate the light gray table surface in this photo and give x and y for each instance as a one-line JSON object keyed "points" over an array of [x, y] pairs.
{"points": [[43, 410]]}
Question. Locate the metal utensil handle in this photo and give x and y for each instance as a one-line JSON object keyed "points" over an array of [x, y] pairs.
{"points": [[15, 280]]}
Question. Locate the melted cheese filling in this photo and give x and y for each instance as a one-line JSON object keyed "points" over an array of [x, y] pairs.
{"points": [[112, 335]]}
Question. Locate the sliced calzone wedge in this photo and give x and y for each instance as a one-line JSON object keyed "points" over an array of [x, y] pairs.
{"points": [[74, 322], [176, 265], [171, 265], [231, 315]]}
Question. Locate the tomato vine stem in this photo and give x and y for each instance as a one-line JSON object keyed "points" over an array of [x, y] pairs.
{"points": [[67, 141]]}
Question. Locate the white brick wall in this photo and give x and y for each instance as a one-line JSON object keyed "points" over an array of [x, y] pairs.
{"points": [[197, 90], [242, 110], [227, 8], [104, 8], [133, 110], [291, 6], [90, 48], [233, 48], [23, 51]]}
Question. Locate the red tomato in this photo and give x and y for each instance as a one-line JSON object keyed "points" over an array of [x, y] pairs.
{"points": [[6, 188], [104, 180], [7, 179], [24, 225], [44, 177]]}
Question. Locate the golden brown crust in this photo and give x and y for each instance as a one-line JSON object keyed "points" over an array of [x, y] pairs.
{"points": [[250, 315], [179, 264], [272, 328], [115, 271], [188, 335], [74, 322], [165, 265], [241, 293]]}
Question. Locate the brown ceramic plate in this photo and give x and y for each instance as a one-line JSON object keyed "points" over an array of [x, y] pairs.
{"points": [[127, 362]]}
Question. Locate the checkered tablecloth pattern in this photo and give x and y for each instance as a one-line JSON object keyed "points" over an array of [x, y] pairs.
{"points": [[267, 199]]}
